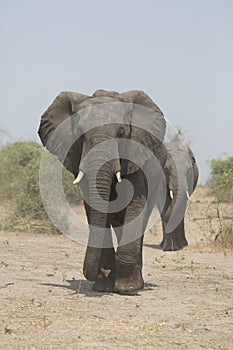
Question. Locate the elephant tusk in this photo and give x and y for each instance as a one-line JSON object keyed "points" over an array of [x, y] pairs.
{"points": [[171, 194], [187, 194], [118, 176], [78, 178]]}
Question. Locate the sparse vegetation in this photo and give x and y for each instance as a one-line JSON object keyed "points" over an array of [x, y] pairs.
{"points": [[19, 187], [22, 208], [221, 183], [221, 180], [225, 236]]}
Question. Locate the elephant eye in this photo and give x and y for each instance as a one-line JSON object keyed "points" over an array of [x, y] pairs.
{"points": [[121, 132]]}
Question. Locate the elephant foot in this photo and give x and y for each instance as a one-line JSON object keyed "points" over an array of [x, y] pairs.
{"points": [[106, 285], [129, 285], [184, 242], [171, 243], [105, 281]]}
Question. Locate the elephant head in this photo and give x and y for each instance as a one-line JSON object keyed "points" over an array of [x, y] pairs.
{"points": [[181, 175], [84, 132]]}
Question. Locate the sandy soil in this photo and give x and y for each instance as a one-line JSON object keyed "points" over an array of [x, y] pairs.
{"points": [[187, 303]]}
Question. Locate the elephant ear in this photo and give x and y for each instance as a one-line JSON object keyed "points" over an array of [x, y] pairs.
{"points": [[148, 127], [194, 167], [192, 157], [55, 130]]}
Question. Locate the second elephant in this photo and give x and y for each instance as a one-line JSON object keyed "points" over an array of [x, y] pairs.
{"points": [[181, 174]]}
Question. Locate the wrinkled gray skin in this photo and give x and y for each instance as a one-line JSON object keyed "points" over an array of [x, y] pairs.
{"points": [[120, 270], [181, 175]]}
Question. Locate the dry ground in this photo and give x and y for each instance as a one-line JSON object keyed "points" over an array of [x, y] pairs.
{"points": [[187, 303]]}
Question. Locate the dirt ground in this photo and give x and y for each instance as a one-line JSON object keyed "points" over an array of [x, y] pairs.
{"points": [[187, 303]]}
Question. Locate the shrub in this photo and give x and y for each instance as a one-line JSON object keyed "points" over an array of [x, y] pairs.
{"points": [[221, 180], [225, 236], [19, 185], [221, 183]]}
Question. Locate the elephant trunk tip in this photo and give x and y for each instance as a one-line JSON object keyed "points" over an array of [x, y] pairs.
{"points": [[104, 273]]}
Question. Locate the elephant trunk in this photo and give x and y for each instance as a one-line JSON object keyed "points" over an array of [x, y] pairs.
{"points": [[99, 188], [177, 210]]}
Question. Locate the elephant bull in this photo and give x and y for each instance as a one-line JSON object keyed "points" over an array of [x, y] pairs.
{"points": [[112, 142]]}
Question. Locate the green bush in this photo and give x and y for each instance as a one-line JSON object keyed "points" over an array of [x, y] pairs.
{"points": [[221, 180], [19, 185], [221, 183]]}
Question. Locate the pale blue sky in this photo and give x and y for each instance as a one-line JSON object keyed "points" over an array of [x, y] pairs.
{"points": [[178, 51]]}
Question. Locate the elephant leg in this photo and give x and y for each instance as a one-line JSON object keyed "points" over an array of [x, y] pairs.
{"points": [[128, 265], [174, 240], [129, 252], [163, 239], [163, 218], [171, 241], [129, 268]]}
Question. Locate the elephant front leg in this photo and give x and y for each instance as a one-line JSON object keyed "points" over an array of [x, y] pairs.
{"points": [[174, 240], [130, 231], [129, 268]]}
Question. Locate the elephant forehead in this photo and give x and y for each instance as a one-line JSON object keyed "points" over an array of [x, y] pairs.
{"points": [[181, 158], [117, 113]]}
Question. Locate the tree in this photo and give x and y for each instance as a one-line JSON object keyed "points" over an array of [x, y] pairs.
{"points": [[4, 136]]}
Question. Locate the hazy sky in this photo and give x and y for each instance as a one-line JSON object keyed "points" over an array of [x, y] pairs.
{"points": [[180, 52]]}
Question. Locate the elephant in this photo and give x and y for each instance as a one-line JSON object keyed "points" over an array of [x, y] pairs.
{"points": [[181, 173], [87, 135], [112, 142]]}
